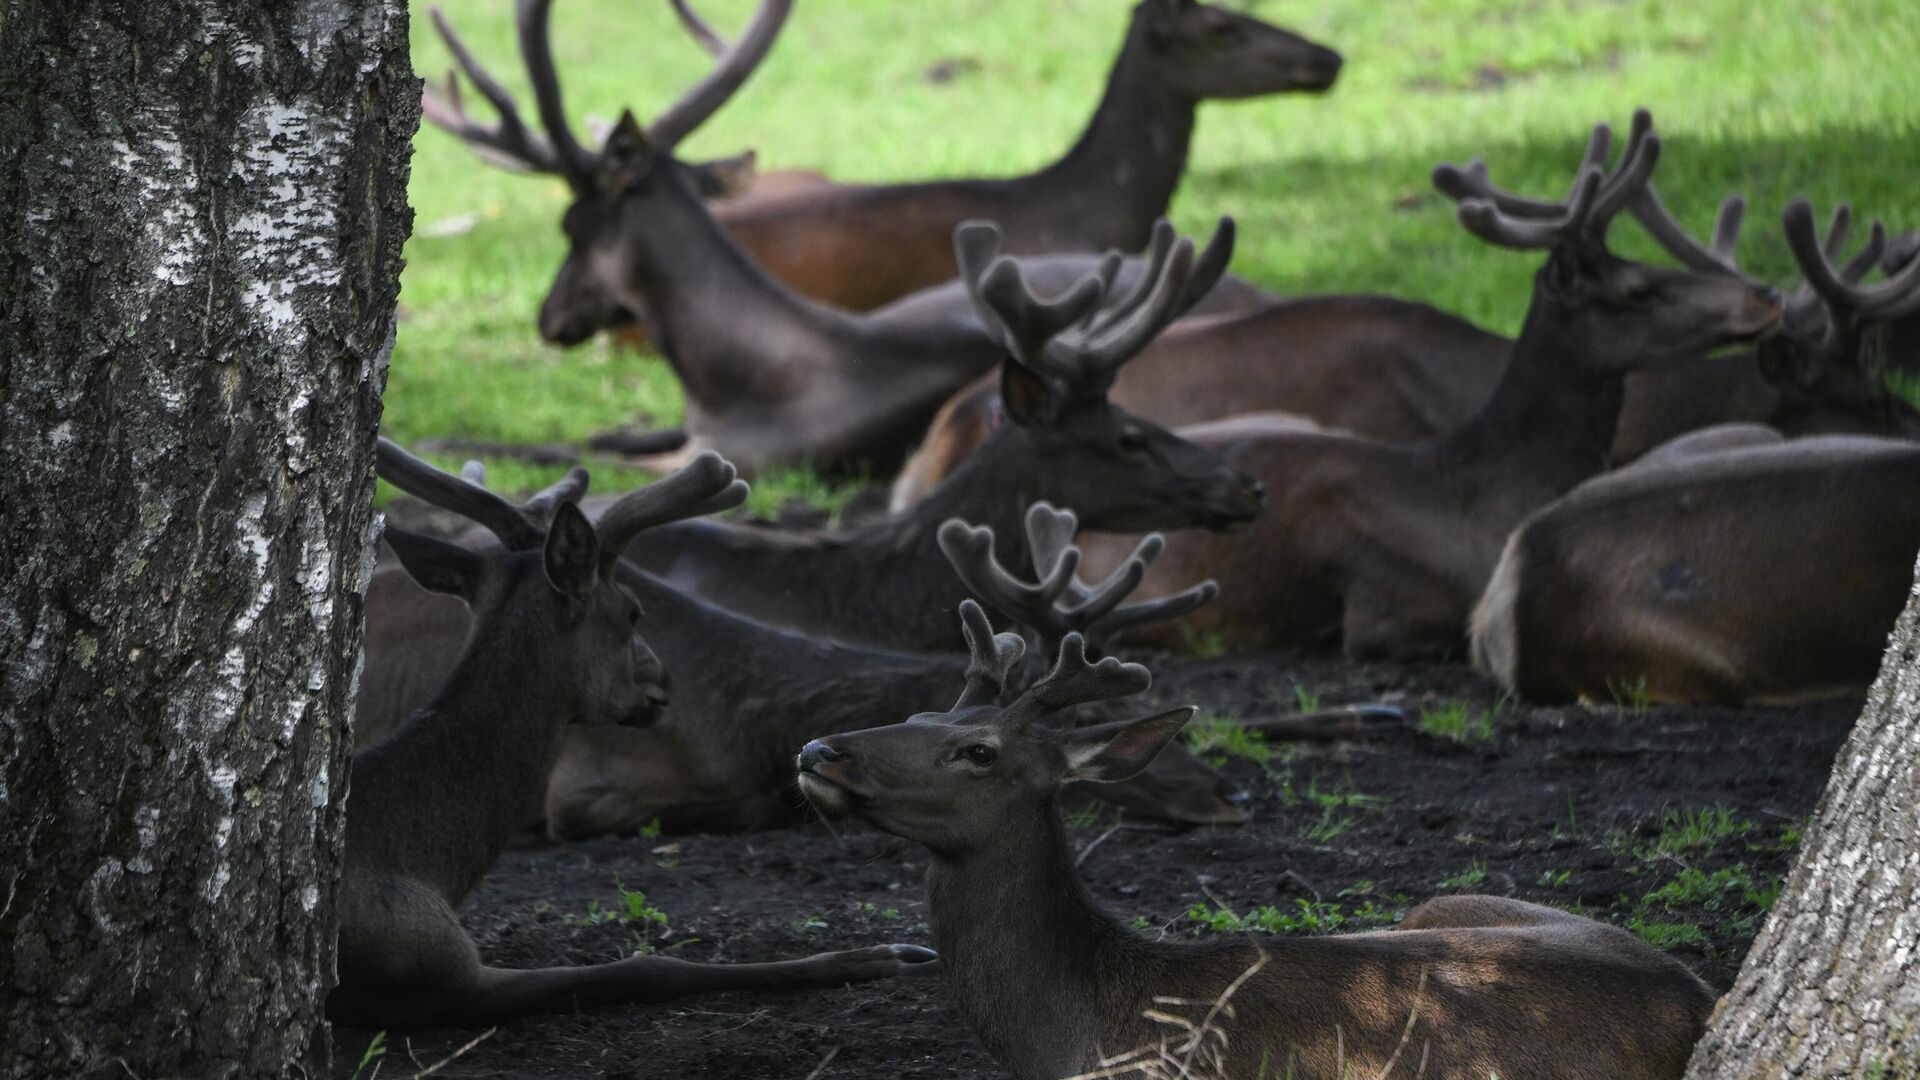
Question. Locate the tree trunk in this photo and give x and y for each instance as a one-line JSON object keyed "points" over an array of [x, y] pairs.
{"points": [[202, 206], [1832, 985]]}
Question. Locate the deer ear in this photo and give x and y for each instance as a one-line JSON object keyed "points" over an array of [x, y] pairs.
{"points": [[436, 564], [1108, 752], [1027, 398], [726, 178], [627, 156], [572, 552]]}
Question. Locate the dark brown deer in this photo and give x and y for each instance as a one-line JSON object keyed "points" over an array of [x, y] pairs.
{"points": [[1386, 547], [555, 644], [885, 583], [1736, 570], [1054, 986]]}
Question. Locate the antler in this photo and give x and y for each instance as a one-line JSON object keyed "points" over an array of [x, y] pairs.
{"points": [[701, 30], [991, 657], [1504, 218], [706, 485], [1840, 287], [733, 65], [517, 528], [1079, 339], [510, 142], [1056, 602], [1074, 681], [1719, 257], [1902, 251]]}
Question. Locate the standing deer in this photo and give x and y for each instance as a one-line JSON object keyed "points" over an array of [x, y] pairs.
{"points": [[1730, 567], [885, 583], [769, 376], [554, 644], [1386, 547], [1055, 986]]}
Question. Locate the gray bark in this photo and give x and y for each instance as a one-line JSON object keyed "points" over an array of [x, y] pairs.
{"points": [[1832, 985], [202, 206]]}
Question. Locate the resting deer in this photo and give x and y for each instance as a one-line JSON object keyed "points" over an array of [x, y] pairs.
{"points": [[885, 583], [555, 644], [1386, 547], [1054, 986], [769, 376], [745, 694], [1740, 569]]}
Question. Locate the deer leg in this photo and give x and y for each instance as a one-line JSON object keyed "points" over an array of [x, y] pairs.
{"points": [[1460, 912]]}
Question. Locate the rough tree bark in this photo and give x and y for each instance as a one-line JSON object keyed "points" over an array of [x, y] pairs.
{"points": [[1832, 985], [202, 205]]}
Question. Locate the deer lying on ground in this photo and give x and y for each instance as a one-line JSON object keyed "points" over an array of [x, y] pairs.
{"points": [[885, 583], [857, 247], [1737, 569], [769, 376], [554, 645], [1054, 986], [1386, 547]]}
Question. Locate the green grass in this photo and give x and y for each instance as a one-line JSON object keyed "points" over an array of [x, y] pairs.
{"points": [[1798, 96], [1458, 721], [1474, 876], [1690, 831], [1215, 737], [1304, 917], [633, 911]]}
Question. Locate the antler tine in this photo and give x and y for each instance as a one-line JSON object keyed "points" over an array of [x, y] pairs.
{"points": [[1022, 321], [510, 142], [1472, 181], [464, 497], [729, 73], [1183, 278], [1901, 251], [1074, 681], [969, 550], [701, 30], [1049, 537], [1720, 258], [1896, 296], [533, 20], [991, 657], [1629, 177], [570, 488], [1098, 609], [705, 485], [1486, 220]]}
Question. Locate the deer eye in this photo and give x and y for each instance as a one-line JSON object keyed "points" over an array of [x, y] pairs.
{"points": [[980, 754]]}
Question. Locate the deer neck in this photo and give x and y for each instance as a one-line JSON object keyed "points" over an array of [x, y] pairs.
{"points": [[1036, 966], [1129, 160], [1551, 420]]}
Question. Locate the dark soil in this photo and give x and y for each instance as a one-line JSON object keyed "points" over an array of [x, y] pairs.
{"points": [[1588, 809]]}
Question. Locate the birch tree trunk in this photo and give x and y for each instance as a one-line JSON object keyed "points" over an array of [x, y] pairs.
{"points": [[202, 205], [1832, 985]]}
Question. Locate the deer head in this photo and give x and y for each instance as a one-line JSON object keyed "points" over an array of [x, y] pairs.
{"points": [[1642, 313], [554, 575], [966, 779], [632, 162], [1208, 52], [1122, 471]]}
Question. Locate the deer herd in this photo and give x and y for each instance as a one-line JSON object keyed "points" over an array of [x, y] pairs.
{"points": [[1675, 478]]}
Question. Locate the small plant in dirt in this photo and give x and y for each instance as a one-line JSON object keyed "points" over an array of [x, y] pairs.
{"points": [[1629, 695], [806, 924], [632, 912], [1458, 721], [1341, 796], [1554, 879], [1307, 700], [1694, 831], [376, 1048], [651, 830], [1666, 936], [1215, 737], [1303, 917], [1474, 876], [1203, 644], [1330, 827]]}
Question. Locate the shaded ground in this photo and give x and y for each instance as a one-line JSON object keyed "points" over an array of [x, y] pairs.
{"points": [[1678, 822]]}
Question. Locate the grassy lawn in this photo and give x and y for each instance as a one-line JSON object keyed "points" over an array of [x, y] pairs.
{"points": [[1773, 100]]}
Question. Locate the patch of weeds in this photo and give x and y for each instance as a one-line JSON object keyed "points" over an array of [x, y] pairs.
{"points": [[633, 912], [1788, 840], [1474, 876], [1729, 892], [1458, 721], [1667, 935], [1629, 695], [1330, 827], [651, 830], [1203, 644], [1141, 922], [1214, 737], [873, 910], [376, 1048], [1554, 879], [1691, 831], [802, 924], [1308, 700], [1303, 917], [1342, 797]]}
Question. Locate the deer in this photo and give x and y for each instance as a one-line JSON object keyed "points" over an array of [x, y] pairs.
{"points": [[856, 247], [1064, 443], [745, 694], [1385, 547], [1055, 986], [554, 644], [1734, 567], [770, 377]]}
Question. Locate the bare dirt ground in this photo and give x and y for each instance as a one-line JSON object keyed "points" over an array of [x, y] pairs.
{"points": [[1677, 821]]}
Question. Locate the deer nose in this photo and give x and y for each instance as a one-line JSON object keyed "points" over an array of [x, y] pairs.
{"points": [[1254, 487], [818, 753]]}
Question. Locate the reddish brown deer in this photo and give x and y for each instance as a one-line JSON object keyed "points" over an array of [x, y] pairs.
{"points": [[1738, 569], [1065, 444], [554, 644], [1054, 986], [1386, 547]]}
